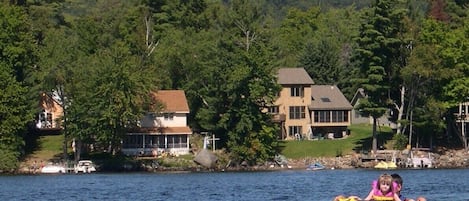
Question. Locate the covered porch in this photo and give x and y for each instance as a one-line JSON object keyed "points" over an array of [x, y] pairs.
{"points": [[174, 141]]}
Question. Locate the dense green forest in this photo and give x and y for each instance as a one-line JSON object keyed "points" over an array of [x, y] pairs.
{"points": [[104, 57]]}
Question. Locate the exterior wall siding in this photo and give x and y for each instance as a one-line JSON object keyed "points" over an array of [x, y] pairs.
{"points": [[285, 101], [150, 120], [49, 107]]}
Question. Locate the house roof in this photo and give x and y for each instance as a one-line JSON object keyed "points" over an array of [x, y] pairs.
{"points": [[294, 76], [162, 130], [48, 101], [327, 97], [359, 94], [172, 100]]}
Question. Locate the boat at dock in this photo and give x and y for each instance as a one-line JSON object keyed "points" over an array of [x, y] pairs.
{"points": [[420, 158], [386, 165], [315, 166], [53, 169]]}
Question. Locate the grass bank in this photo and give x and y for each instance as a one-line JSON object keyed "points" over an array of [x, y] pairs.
{"points": [[47, 147], [50, 147], [359, 140]]}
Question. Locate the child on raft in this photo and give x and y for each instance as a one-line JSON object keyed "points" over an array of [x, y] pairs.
{"points": [[384, 189], [395, 178]]}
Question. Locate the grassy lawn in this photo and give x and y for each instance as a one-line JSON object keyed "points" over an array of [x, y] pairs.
{"points": [[50, 147], [359, 140]]}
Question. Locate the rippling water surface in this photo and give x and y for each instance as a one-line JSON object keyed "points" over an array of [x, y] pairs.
{"points": [[434, 184]]}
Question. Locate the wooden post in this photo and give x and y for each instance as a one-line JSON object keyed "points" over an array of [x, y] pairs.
{"points": [[213, 141]]}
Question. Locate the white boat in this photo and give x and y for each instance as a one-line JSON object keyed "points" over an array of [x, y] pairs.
{"points": [[420, 158], [85, 166], [53, 169], [315, 166]]}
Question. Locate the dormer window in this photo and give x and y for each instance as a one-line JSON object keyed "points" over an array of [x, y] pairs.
{"points": [[297, 91], [168, 116]]}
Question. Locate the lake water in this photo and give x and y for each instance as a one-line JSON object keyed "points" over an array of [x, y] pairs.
{"points": [[434, 184]]}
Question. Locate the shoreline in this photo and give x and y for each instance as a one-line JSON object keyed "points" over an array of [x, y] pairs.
{"points": [[176, 170], [447, 159]]}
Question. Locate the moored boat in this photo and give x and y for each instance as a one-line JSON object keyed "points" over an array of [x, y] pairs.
{"points": [[386, 165], [53, 169], [315, 166]]}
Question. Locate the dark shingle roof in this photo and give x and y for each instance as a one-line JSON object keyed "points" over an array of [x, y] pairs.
{"points": [[326, 97], [294, 76]]}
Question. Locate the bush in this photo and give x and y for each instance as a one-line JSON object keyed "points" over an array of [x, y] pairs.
{"points": [[8, 160], [400, 141]]}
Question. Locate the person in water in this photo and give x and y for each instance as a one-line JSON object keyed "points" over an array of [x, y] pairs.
{"points": [[395, 178], [383, 189], [398, 180]]}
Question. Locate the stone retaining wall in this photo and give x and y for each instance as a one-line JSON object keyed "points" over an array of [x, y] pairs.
{"points": [[446, 159]]}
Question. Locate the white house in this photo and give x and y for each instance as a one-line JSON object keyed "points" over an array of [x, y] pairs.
{"points": [[163, 132]]}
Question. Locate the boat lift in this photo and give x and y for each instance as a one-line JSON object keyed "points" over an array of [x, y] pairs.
{"points": [[462, 120]]}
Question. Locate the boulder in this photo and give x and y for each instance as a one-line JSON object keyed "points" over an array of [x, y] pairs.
{"points": [[206, 158]]}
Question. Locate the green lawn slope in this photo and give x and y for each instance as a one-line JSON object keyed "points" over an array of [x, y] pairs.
{"points": [[50, 147], [359, 140]]}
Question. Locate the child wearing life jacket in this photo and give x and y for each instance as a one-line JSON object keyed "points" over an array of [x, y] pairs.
{"points": [[395, 178], [383, 189]]}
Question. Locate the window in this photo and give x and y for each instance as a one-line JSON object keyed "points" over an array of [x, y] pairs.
{"points": [[297, 91], [292, 130], [45, 120], [337, 116], [273, 109], [151, 141], [322, 116], [160, 141], [297, 112], [49, 120], [331, 116], [133, 141], [177, 141], [168, 116]]}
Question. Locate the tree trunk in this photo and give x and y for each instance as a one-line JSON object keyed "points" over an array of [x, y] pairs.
{"points": [[400, 110], [77, 146], [375, 141]]}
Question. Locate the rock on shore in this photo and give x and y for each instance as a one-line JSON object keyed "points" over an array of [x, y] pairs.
{"points": [[450, 158]]}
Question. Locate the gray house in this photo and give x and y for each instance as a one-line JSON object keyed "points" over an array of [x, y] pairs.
{"points": [[357, 118]]}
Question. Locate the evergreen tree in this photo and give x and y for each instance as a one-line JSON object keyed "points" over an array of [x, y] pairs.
{"points": [[379, 51], [17, 54]]}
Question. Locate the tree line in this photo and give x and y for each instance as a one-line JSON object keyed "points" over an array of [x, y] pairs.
{"points": [[103, 58]]}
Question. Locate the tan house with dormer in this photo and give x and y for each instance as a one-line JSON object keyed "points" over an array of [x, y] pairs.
{"points": [[307, 111], [50, 116], [163, 132], [292, 104]]}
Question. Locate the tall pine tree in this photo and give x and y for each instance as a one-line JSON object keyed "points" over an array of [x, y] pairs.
{"points": [[379, 52]]}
